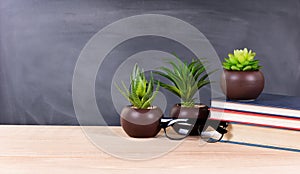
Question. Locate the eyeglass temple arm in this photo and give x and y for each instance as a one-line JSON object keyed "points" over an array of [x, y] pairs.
{"points": [[166, 122]]}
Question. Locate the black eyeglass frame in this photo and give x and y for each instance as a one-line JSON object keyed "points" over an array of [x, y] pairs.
{"points": [[222, 125]]}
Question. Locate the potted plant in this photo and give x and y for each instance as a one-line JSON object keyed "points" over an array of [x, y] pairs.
{"points": [[140, 119], [185, 80], [242, 78]]}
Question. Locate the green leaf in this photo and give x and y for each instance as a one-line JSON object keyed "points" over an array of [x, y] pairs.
{"points": [[235, 68], [171, 74], [246, 63], [226, 67], [140, 91], [126, 95], [164, 75], [254, 67], [233, 60], [147, 103], [184, 78], [230, 56], [202, 83], [226, 64], [170, 88], [188, 104], [247, 68], [241, 59], [240, 65], [135, 100]]}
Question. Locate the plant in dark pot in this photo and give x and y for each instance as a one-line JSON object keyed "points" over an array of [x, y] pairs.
{"points": [[140, 119], [185, 80], [242, 78]]}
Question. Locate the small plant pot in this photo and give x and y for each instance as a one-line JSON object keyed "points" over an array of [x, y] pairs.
{"points": [[141, 123], [242, 85], [199, 113]]}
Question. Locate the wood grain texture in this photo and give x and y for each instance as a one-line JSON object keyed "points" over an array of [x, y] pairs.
{"points": [[65, 149]]}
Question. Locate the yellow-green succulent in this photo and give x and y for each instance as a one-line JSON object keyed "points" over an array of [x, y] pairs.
{"points": [[241, 60]]}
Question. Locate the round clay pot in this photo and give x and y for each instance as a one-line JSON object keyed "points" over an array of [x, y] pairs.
{"points": [[141, 123], [198, 114], [242, 85]]}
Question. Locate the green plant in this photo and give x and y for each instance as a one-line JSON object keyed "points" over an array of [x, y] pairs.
{"points": [[140, 94], [241, 60], [186, 79]]}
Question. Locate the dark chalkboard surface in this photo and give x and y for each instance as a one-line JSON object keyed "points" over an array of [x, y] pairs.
{"points": [[40, 42]]}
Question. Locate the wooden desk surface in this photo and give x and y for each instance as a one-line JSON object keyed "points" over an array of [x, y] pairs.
{"points": [[65, 149]]}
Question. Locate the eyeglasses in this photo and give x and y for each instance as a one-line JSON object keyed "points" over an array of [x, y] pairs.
{"points": [[178, 129]]}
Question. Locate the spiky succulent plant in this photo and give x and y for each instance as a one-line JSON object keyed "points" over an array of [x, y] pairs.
{"points": [[241, 60], [185, 79], [140, 94]]}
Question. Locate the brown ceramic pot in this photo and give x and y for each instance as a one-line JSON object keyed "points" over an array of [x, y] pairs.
{"points": [[199, 113], [141, 123], [242, 85]]}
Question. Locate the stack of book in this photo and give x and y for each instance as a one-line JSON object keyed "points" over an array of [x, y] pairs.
{"points": [[271, 121]]}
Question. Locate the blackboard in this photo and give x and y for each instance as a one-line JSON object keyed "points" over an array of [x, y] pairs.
{"points": [[40, 42]]}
